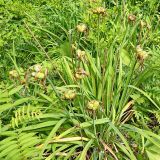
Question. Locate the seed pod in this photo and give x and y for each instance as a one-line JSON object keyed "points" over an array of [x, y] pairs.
{"points": [[69, 95], [81, 28], [93, 105]]}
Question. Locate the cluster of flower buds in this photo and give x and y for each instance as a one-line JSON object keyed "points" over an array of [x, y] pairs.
{"points": [[81, 73], [99, 11], [35, 72], [69, 94], [141, 54], [93, 105], [82, 28]]}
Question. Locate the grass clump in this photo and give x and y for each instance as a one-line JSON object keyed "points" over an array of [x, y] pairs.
{"points": [[80, 80]]}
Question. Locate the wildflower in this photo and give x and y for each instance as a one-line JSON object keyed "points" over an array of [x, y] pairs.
{"points": [[93, 105], [81, 54], [131, 17], [141, 54], [81, 28], [13, 74], [69, 94], [81, 73], [99, 10]]}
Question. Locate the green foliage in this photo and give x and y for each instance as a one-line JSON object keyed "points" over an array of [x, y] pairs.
{"points": [[19, 146], [79, 80]]}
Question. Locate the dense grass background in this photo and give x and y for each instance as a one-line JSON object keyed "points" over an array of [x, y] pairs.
{"points": [[79, 79]]}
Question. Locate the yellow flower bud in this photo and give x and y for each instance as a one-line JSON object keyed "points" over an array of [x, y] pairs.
{"points": [[81, 28], [93, 105], [69, 94], [81, 54]]}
